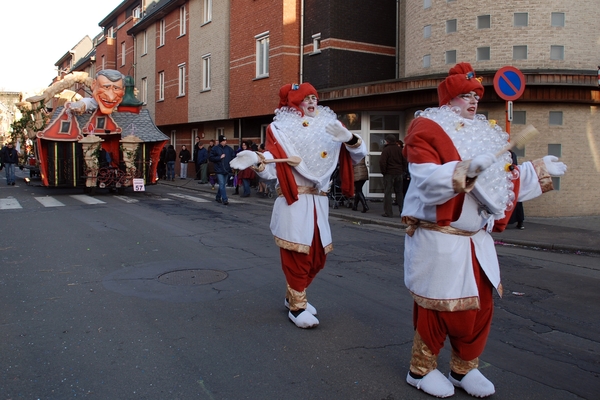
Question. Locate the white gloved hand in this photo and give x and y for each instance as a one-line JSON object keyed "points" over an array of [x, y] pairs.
{"points": [[77, 107], [338, 132], [554, 167], [480, 164], [244, 159]]}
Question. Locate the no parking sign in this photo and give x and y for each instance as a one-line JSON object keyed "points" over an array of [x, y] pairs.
{"points": [[509, 83]]}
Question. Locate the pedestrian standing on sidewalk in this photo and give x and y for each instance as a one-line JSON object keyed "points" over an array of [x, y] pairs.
{"points": [[202, 164], [361, 175], [221, 155], [197, 146], [460, 192], [184, 159], [10, 158], [170, 157], [518, 215], [392, 166]]}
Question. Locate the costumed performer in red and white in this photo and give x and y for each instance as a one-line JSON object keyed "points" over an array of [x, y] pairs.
{"points": [[300, 219], [459, 193]]}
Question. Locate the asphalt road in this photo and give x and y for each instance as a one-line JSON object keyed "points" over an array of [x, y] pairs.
{"points": [[167, 294]]}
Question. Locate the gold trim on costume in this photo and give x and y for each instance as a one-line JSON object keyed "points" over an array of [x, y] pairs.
{"points": [[261, 163], [355, 145], [304, 190], [461, 183], [423, 361], [461, 366], [543, 175], [297, 247], [414, 223], [465, 303], [296, 300]]}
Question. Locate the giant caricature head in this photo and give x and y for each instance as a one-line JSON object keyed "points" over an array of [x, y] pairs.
{"points": [[108, 89]]}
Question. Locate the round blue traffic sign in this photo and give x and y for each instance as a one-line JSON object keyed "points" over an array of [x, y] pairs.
{"points": [[509, 83]]}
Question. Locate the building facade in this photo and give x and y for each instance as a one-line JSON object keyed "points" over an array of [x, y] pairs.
{"points": [[205, 68]]}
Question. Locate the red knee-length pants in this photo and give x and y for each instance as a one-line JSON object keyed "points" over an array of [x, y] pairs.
{"points": [[300, 269], [467, 330]]}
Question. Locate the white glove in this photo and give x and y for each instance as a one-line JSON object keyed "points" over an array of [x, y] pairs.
{"points": [[338, 132], [554, 167], [480, 164], [244, 159]]}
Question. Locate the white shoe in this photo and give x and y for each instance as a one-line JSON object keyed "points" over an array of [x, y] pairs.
{"points": [[304, 320], [475, 384], [309, 307], [434, 383]]}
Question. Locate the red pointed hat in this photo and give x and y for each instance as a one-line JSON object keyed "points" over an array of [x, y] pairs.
{"points": [[461, 79], [292, 94]]}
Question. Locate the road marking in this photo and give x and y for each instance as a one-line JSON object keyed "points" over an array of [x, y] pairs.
{"points": [[87, 199], [192, 198], [9, 204], [49, 201], [127, 199]]}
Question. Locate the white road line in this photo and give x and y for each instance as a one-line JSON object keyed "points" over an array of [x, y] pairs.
{"points": [[49, 201], [127, 199], [192, 198], [9, 204], [87, 199]]}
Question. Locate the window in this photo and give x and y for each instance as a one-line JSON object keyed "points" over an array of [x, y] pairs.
{"points": [[316, 40], [206, 72], [555, 118], [519, 52], [110, 33], [161, 32], [103, 63], [451, 57], [65, 126], [426, 3], [181, 80], [484, 22], [557, 52], [427, 31], [144, 94], [451, 26], [427, 61], [137, 13], [144, 42], [521, 19], [220, 132], [161, 85], [555, 150], [122, 53], [262, 55], [519, 117], [557, 19], [483, 54], [182, 22], [207, 15]]}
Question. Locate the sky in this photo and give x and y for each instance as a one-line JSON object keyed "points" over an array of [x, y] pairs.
{"points": [[35, 34]]}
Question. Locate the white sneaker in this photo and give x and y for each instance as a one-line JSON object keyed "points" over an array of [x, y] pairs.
{"points": [[475, 384], [304, 320], [309, 307], [434, 383]]}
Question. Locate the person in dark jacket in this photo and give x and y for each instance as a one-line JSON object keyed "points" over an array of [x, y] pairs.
{"points": [[518, 215], [170, 158], [10, 158], [392, 166], [184, 158], [221, 155], [202, 164]]}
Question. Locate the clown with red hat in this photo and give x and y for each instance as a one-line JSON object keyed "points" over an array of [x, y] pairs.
{"points": [[312, 134], [461, 190]]}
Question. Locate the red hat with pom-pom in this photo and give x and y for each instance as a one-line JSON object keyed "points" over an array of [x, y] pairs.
{"points": [[461, 80], [292, 94]]}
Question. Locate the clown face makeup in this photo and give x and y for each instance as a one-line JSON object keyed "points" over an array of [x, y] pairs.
{"points": [[309, 105], [467, 103]]}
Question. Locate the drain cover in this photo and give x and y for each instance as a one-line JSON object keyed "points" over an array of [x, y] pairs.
{"points": [[191, 277]]}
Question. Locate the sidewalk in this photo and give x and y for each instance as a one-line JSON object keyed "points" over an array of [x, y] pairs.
{"points": [[573, 234]]}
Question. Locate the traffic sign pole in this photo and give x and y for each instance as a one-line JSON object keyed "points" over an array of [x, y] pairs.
{"points": [[509, 83]]}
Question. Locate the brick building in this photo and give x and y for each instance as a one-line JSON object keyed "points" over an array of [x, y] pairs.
{"points": [[207, 67]]}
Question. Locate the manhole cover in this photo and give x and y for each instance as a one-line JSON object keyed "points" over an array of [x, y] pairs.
{"points": [[191, 277]]}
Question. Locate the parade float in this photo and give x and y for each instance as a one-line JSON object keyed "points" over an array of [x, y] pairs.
{"points": [[104, 141]]}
